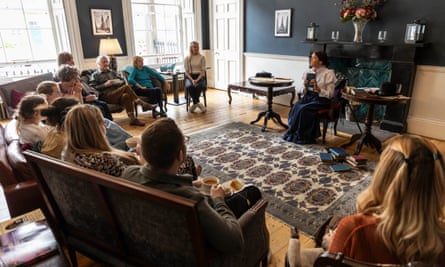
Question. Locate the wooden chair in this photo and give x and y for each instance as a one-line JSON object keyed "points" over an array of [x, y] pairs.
{"points": [[332, 114], [120, 223], [188, 98], [327, 259]]}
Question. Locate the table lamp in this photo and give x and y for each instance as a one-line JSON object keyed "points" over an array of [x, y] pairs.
{"points": [[110, 47]]}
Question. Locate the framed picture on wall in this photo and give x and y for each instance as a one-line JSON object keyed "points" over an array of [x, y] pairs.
{"points": [[283, 22], [101, 22]]}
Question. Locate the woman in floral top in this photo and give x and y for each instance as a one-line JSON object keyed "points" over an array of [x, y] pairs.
{"points": [[87, 145]]}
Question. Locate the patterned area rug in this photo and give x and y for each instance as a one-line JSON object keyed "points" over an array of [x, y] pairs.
{"points": [[300, 189]]}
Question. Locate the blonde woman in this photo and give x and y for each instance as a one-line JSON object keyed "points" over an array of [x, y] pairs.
{"points": [[195, 67], [400, 217], [87, 145], [55, 116]]}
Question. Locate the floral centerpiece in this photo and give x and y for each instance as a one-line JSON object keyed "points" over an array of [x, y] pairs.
{"points": [[359, 14]]}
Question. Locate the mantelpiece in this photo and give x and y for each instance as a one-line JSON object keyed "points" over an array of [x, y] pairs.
{"points": [[403, 70]]}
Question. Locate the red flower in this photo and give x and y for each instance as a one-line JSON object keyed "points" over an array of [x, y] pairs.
{"points": [[366, 11]]}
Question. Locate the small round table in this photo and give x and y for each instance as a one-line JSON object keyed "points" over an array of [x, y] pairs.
{"points": [[367, 137], [270, 83]]}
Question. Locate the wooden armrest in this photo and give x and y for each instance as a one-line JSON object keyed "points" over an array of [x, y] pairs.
{"points": [[23, 197]]}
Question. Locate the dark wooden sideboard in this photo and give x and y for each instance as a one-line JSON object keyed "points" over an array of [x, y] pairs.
{"points": [[403, 60]]}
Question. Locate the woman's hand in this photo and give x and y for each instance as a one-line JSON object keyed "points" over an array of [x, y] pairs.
{"points": [[90, 98], [217, 191]]}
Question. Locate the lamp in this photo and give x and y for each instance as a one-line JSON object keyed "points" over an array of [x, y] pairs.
{"points": [[110, 47], [414, 32], [311, 32]]}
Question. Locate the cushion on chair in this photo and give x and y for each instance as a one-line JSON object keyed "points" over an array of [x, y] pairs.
{"points": [[16, 96]]}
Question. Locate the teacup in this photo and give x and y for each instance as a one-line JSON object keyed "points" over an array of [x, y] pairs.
{"points": [[132, 141], [208, 182]]}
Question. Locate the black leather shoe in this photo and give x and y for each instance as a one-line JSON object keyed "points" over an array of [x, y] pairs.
{"points": [[154, 113]]}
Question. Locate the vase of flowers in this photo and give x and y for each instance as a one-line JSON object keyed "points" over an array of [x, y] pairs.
{"points": [[359, 27], [360, 14]]}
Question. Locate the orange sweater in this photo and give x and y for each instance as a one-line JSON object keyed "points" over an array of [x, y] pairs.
{"points": [[356, 238]]}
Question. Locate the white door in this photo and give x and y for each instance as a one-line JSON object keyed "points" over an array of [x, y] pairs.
{"points": [[227, 40]]}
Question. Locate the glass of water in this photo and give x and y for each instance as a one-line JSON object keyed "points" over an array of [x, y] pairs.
{"points": [[382, 36], [335, 35]]}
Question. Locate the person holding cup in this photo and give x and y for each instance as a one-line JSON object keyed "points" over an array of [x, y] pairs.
{"points": [[319, 84], [164, 148]]}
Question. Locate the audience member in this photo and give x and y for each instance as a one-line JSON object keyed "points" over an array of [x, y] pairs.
{"points": [[140, 77], [55, 116], [69, 82], [89, 94], [30, 129], [401, 214], [319, 84], [163, 147], [195, 71], [50, 89], [87, 145], [113, 90]]}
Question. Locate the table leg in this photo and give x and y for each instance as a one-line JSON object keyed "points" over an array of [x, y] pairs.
{"points": [[292, 99], [366, 137], [177, 101], [269, 113], [229, 93]]}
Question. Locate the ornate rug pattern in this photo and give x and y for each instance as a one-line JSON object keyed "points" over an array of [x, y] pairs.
{"points": [[300, 189]]}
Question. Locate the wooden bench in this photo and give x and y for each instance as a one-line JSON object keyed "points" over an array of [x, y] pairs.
{"points": [[121, 223]]}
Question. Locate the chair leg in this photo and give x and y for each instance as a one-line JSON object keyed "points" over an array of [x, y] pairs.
{"points": [[205, 97], [187, 99], [325, 129], [335, 127], [73, 258]]}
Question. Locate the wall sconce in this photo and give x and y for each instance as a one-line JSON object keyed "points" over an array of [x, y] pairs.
{"points": [[414, 32], [312, 32], [110, 47]]}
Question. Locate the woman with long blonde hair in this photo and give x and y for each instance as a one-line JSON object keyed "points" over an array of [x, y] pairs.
{"points": [[195, 71], [87, 145], [401, 214]]}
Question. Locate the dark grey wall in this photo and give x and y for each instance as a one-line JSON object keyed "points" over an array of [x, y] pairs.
{"points": [[90, 43], [393, 17]]}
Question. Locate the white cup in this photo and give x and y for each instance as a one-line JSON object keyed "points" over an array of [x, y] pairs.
{"points": [[382, 36], [133, 141], [208, 182], [335, 35]]}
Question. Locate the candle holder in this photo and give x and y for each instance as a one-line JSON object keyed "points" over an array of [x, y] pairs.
{"points": [[312, 32]]}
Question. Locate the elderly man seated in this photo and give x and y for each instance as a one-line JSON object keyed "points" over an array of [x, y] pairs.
{"points": [[112, 89]]}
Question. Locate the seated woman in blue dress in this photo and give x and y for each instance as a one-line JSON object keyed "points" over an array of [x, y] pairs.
{"points": [[319, 83]]}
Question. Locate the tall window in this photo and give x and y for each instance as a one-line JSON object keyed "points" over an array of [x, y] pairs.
{"points": [[32, 32], [159, 29]]}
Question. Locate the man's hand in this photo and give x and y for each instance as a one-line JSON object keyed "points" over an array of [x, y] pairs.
{"points": [[108, 83]]}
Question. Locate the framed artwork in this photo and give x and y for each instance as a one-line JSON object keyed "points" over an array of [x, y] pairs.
{"points": [[101, 22], [283, 22]]}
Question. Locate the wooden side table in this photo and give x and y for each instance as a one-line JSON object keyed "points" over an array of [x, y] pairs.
{"points": [[270, 89], [367, 137]]}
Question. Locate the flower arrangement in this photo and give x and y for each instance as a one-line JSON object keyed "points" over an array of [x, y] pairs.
{"points": [[351, 10]]}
